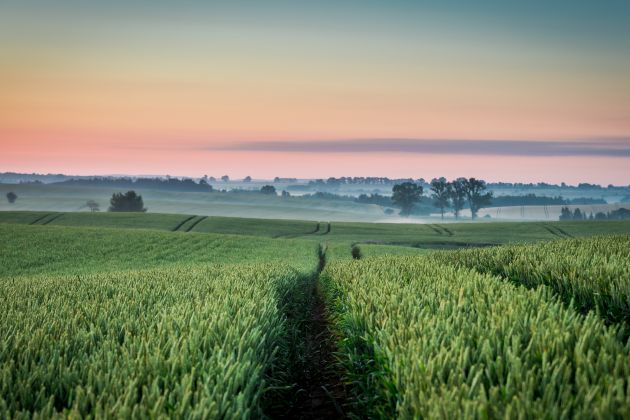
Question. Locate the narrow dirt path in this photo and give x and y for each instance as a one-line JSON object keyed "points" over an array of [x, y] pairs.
{"points": [[322, 393], [325, 392]]}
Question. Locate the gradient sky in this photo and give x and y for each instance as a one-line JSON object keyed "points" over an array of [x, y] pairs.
{"points": [[524, 92]]}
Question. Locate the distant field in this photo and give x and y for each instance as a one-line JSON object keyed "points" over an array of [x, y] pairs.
{"points": [[438, 235], [57, 250], [122, 220], [73, 199], [256, 227], [22, 217], [539, 213]]}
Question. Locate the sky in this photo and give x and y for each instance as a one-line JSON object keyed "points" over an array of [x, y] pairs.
{"points": [[528, 92]]}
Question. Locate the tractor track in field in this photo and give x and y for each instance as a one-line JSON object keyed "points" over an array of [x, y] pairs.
{"points": [[436, 230], [446, 230], [563, 232], [294, 235], [44, 216], [182, 223], [50, 220], [195, 224], [315, 231], [327, 230], [551, 231]]}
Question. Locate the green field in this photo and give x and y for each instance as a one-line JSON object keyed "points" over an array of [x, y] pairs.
{"points": [[430, 236], [52, 250], [370, 251], [182, 316], [422, 337], [256, 227]]}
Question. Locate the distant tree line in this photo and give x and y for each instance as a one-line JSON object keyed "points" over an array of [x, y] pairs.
{"points": [[322, 195], [277, 180], [169, 184], [374, 199], [544, 185], [534, 200], [456, 193], [620, 214]]}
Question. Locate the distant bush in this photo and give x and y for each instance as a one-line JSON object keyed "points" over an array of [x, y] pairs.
{"points": [[11, 196], [269, 190]]}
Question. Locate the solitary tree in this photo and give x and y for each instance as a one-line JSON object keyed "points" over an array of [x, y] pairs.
{"points": [[458, 197], [286, 193], [129, 201], [476, 199], [11, 196], [269, 190], [248, 179], [405, 195], [442, 193], [225, 178], [93, 206]]}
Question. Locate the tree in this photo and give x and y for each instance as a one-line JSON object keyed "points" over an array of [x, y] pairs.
{"points": [[458, 196], [269, 190], [248, 179], [565, 214], [442, 193], [93, 206], [11, 196], [286, 193], [476, 200], [577, 215], [405, 195], [225, 178], [128, 202]]}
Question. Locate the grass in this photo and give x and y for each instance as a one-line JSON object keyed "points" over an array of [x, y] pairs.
{"points": [[424, 339], [54, 250]]}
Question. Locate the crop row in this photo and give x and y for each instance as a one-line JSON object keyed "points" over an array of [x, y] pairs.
{"points": [[421, 338], [198, 342], [593, 273]]}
